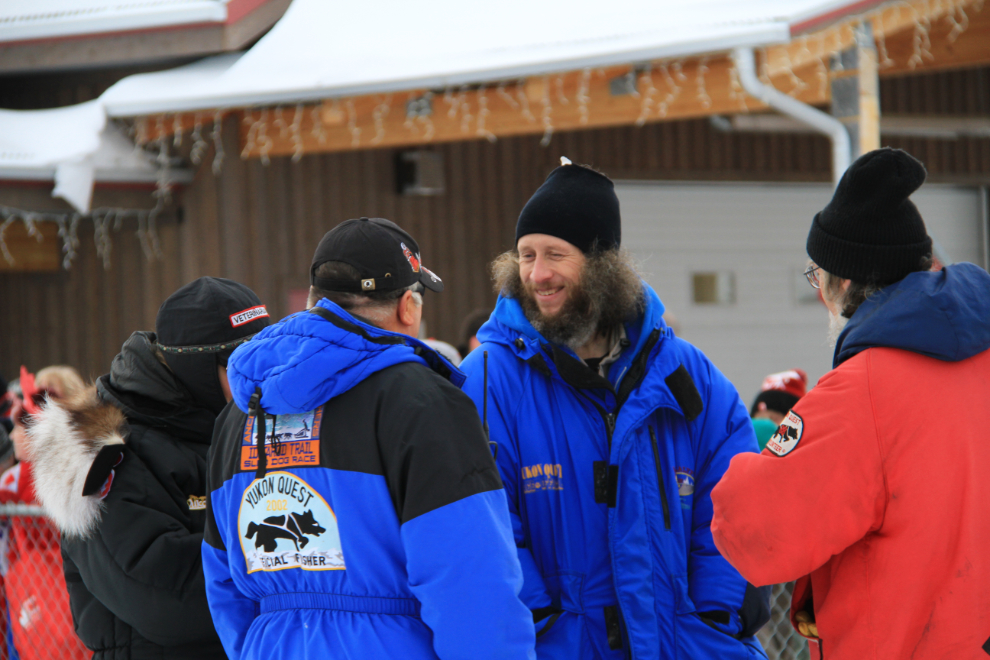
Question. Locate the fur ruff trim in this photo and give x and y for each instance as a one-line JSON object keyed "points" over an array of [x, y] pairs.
{"points": [[63, 441]]}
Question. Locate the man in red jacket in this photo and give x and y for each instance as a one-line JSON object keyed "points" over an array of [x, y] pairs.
{"points": [[873, 492]]}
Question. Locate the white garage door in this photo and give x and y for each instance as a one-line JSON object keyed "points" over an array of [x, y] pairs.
{"points": [[753, 236]]}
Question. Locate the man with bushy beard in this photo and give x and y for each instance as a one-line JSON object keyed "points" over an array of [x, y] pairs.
{"points": [[610, 433], [872, 493]]}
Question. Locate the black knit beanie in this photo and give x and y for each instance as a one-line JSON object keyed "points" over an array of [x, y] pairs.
{"points": [[577, 204], [871, 232]]}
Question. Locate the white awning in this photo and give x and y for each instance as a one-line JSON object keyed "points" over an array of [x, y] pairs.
{"points": [[323, 49], [73, 146], [29, 20]]}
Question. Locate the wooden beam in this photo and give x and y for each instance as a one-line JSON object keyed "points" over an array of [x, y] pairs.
{"points": [[886, 21], [574, 100], [956, 41], [31, 255]]}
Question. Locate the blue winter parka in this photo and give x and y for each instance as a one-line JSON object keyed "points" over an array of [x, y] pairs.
{"points": [[609, 486], [379, 528]]}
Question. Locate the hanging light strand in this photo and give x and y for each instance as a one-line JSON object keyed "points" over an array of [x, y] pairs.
{"points": [[582, 95], [547, 114], [703, 97], [378, 114], [483, 113], [217, 135], [295, 131], [200, 145], [104, 218], [646, 99]]}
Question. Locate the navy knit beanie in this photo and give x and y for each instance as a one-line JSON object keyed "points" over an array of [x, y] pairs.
{"points": [[577, 204], [871, 232]]}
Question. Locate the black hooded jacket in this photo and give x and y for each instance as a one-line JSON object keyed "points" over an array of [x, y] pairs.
{"points": [[133, 569]]}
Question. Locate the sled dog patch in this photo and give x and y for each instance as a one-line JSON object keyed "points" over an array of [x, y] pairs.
{"points": [[292, 441], [788, 435], [284, 523]]}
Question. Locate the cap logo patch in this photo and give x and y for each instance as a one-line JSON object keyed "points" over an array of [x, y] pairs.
{"points": [[413, 259], [788, 435], [431, 274], [248, 315], [368, 285]]}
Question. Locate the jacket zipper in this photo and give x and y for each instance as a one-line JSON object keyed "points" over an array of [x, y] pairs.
{"points": [[660, 482], [609, 429]]}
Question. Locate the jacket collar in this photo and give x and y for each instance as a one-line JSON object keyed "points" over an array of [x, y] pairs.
{"points": [[943, 314], [308, 358], [509, 327]]}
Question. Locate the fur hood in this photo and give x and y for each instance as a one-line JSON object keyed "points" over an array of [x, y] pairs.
{"points": [[63, 444]]}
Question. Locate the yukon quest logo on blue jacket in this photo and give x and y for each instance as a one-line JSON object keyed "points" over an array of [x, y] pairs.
{"points": [[284, 523], [542, 477]]}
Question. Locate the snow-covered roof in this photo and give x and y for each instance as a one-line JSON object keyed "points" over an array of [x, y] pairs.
{"points": [[73, 146], [323, 49], [27, 20]]}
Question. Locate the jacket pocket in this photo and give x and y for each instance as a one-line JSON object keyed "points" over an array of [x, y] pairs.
{"points": [[660, 481]]}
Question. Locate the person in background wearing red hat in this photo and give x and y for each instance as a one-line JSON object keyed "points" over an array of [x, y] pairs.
{"points": [[40, 620], [778, 394], [121, 469], [873, 492]]}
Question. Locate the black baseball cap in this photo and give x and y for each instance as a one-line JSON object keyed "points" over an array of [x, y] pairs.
{"points": [[386, 257]]}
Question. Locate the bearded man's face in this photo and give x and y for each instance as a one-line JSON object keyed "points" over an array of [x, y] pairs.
{"points": [[566, 295], [550, 270]]}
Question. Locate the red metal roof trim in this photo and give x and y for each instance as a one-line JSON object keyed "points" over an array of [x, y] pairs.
{"points": [[852, 8]]}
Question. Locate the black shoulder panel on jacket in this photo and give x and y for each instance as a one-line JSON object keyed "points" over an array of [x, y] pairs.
{"points": [[576, 373], [537, 362], [685, 392], [405, 423], [637, 370], [432, 446], [223, 462]]}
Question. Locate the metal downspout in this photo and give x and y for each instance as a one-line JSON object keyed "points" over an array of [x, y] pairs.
{"points": [[804, 113]]}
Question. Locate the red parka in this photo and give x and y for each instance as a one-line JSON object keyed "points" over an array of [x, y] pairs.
{"points": [[875, 493]]}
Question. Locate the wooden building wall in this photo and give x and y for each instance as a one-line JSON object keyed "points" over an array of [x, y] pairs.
{"points": [[259, 224]]}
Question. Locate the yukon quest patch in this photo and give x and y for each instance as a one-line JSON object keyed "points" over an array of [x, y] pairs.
{"points": [[284, 523], [787, 436], [296, 436]]}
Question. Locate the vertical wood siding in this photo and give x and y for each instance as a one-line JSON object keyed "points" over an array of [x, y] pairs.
{"points": [[260, 225]]}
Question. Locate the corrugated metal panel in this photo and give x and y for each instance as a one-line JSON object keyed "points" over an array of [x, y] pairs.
{"points": [[260, 224]]}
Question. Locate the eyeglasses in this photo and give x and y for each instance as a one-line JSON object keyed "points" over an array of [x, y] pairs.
{"points": [[812, 275]]}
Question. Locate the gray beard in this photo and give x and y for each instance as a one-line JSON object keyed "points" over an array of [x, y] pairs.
{"points": [[563, 329], [836, 324]]}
